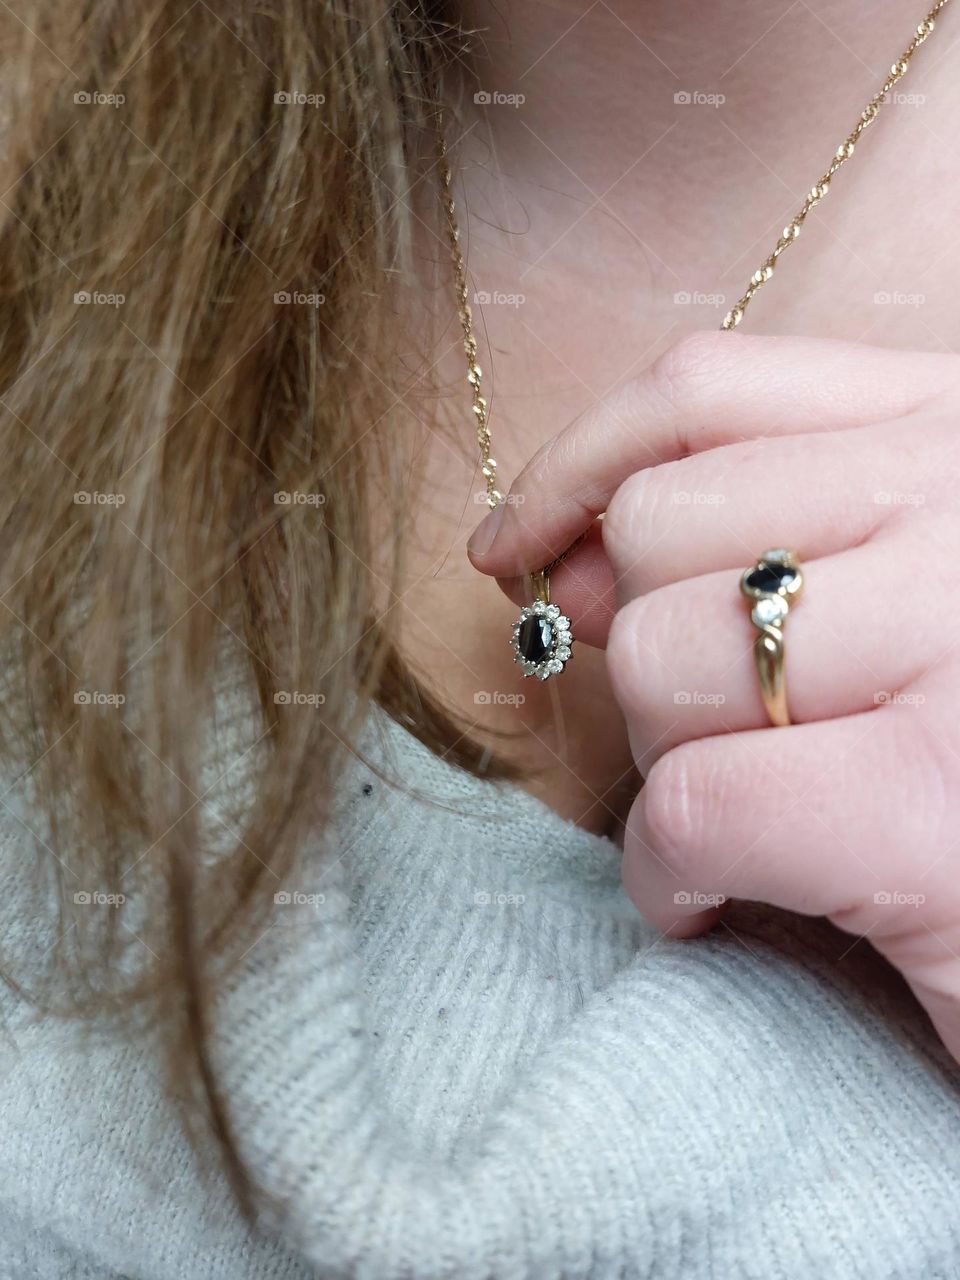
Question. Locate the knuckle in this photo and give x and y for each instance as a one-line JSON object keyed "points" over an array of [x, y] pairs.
{"points": [[538, 473], [551, 479], [648, 519], [621, 655], [674, 811], [641, 639], [626, 521], [689, 365]]}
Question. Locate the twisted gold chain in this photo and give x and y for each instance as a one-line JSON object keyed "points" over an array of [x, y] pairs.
{"points": [[733, 317], [840, 158], [488, 465]]}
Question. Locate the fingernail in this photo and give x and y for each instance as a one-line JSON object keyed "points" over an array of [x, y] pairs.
{"points": [[481, 540]]}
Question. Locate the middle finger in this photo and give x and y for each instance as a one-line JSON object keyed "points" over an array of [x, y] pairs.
{"points": [[681, 658]]}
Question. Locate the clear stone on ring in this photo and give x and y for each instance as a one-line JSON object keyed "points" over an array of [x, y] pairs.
{"points": [[770, 611]]}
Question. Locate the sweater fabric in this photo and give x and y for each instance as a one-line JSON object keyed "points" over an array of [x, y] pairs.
{"points": [[458, 1053]]}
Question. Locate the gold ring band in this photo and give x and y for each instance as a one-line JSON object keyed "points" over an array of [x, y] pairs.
{"points": [[772, 585]]}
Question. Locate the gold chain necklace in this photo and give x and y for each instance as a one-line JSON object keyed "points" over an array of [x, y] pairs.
{"points": [[542, 640]]}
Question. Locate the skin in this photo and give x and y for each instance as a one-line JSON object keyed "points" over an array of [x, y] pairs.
{"points": [[851, 454], [695, 196], [702, 449]]}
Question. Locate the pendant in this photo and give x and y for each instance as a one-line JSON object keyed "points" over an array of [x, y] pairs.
{"points": [[541, 641]]}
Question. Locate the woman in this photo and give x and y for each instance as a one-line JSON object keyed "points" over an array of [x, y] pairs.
{"points": [[316, 956]]}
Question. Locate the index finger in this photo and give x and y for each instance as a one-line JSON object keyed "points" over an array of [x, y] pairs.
{"points": [[709, 390]]}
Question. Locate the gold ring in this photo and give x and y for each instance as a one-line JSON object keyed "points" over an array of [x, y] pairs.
{"points": [[771, 586]]}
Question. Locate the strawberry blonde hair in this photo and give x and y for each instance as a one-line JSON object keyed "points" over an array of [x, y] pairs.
{"points": [[170, 172]]}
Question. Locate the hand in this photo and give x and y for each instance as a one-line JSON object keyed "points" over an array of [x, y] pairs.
{"points": [[850, 456]]}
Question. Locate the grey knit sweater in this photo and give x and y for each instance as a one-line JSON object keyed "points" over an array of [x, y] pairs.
{"points": [[458, 1054]]}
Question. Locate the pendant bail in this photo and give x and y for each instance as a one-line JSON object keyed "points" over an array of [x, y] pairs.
{"points": [[540, 586]]}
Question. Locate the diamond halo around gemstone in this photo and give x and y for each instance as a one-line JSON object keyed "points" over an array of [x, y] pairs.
{"points": [[542, 642]]}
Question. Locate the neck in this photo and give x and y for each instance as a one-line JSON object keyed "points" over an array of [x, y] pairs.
{"points": [[655, 151], [599, 81], [598, 205]]}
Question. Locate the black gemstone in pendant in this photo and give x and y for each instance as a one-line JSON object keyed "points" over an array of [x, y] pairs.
{"points": [[770, 579], [534, 639]]}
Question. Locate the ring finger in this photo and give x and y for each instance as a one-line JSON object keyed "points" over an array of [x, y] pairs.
{"points": [[681, 658]]}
